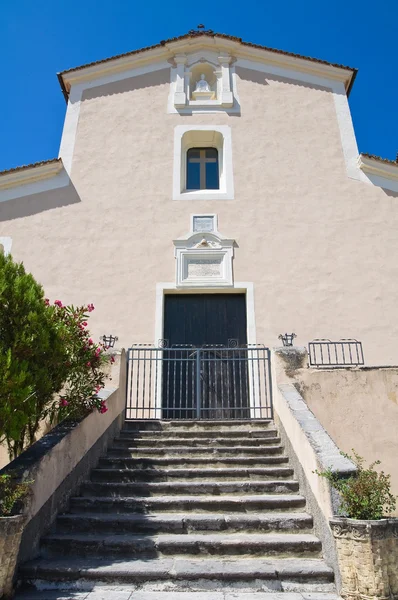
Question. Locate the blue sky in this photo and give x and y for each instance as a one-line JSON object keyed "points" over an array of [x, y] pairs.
{"points": [[40, 37]]}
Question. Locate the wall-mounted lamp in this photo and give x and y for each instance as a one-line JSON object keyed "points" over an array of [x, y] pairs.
{"points": [[287, 339], [109, 340]]}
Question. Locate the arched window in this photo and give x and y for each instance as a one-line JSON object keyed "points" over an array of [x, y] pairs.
{"points": [[202, 169]]}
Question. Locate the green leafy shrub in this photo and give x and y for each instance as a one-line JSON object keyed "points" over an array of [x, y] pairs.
{"points": [[367, 495], [11, 493], [50, 368], [31, 356]]}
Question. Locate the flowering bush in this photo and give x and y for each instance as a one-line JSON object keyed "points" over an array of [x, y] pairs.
{"points": [[86, 363]]}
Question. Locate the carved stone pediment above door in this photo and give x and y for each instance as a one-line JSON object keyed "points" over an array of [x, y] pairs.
{"points": [[204, 256]]}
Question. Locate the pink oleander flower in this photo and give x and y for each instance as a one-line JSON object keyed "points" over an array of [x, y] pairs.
{"points": [[84, 324], [90, 342], [98, 351], [90, 307], [63, 402], [103, 409], [47, 302], [88, 364], [97, 389], [112, 359], [58, 303]]}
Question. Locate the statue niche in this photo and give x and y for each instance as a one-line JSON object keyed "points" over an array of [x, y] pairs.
{"points": [[202, 82]]}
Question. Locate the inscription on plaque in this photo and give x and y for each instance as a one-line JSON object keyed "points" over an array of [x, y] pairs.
{"points": [[204, 267], [203, 224]]}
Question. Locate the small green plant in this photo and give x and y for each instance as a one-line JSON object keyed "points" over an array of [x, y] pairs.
{"points": [[367, 495], [11, 491]]}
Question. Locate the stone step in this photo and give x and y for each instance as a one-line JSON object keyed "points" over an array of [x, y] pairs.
{"points": [[187, 503], [135, 442], [258, 474], [217, 488], [190, 461], [183, 524], [146, 451], [184, 574], [199, 433], [192, 544], [202, 425], [124, 592]]}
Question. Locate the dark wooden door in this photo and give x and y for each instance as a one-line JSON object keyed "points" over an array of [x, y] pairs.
{"points": [[201, 331]]}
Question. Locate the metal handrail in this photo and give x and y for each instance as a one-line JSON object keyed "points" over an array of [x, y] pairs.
{"points": [[347, 352]]}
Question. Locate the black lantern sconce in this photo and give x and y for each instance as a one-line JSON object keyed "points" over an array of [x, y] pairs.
{"points": [[287, 339], [109, 340]]}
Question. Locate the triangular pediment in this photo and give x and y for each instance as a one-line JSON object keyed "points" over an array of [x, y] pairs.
{"points": [[194, 44]]}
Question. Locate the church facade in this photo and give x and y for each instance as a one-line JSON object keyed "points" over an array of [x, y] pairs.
{"points": [[208, 190]]}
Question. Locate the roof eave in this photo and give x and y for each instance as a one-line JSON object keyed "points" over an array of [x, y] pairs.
{"points": [[166, 49], [63, 87], [375, 165], [351, 82], [30, 173]]}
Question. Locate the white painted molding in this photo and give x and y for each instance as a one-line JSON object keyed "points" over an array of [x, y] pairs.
{"points": [[216, 45], [183, 97], [375, 167], [68, 138], [212, 216], [227, 100], [115, 67], [223, 143], [30, 175], [5, 245], [51, 182], [204, 260]]}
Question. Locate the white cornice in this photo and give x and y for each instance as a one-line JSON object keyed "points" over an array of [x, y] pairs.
{"points": [[281, 60], [373, 166], [190, 45], [117, 65], [30, 175]]}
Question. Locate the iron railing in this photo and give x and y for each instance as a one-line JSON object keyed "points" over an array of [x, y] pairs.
{"points": [[344, 353], [211, 382]]}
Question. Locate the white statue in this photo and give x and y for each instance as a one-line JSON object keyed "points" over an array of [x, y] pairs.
{"points": [[202, 85]]}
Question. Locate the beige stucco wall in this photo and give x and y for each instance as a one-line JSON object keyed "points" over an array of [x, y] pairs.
{"points": [[319, 247], [359, 409]]}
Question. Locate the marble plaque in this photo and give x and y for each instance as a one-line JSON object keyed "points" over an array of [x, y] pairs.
{"points": [[202, 267], [203, 224]]}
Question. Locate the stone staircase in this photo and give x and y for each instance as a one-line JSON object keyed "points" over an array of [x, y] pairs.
{"points": [[211, 509]]}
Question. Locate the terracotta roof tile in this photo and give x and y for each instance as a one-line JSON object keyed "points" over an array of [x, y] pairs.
{"points": [[30, 166]]}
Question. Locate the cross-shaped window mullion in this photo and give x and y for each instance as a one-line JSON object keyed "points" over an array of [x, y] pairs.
{"points": [[202, 160]]}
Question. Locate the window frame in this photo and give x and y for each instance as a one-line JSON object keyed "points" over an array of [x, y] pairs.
{"points": [[201, 136]]}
